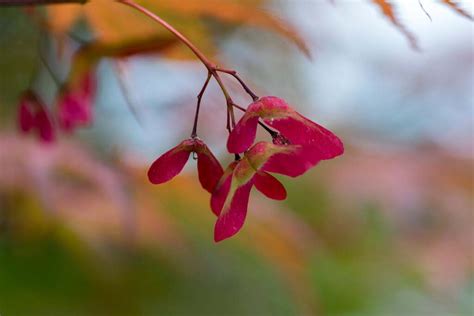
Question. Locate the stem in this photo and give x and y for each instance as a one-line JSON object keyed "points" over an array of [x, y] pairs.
{"points": [[230, 103], [239, 107], [122, 81], [232, 115], [234, 74], [199, 97], [212, 69], [56, 80], [229, 129], [50, 71], [221, 85], [268, 129]]}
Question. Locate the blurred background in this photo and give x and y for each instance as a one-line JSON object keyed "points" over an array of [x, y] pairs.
{"points": [[385, 229]]}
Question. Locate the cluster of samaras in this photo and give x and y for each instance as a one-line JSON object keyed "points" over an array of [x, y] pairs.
{"points": [[298, 144]]}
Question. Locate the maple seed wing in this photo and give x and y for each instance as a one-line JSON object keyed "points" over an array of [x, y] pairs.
{"points": [[300, 130], [236, 190], [168, 165], [243, 134], [292, 164], [270, 186], [209, 169], [232, 217], [221, 190]]}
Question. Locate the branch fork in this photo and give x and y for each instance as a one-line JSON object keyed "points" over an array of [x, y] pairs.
{"points": [[212, 72]]}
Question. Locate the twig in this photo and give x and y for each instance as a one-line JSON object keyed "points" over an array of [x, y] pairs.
{"points": [[46, 64], [423, 9], [122, 80], [205, 61], [13, 3], [234, 74], [198, 106]]}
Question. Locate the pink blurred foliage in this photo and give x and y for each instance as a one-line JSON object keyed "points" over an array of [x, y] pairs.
{"points": [[427, 193], [87, 195], [113, 203], [34, 116], [75, 102]]}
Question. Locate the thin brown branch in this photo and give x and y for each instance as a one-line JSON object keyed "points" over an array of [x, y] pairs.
{"points": [[234, 74], [199, 97], [212, 69], [14, 3], [170, 28], [121, 73]]}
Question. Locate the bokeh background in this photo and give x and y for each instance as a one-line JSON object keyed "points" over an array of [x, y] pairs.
{"points": [[386, 229]]}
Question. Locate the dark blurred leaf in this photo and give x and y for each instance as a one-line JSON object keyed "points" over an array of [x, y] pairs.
{"points": [[18, 56]]}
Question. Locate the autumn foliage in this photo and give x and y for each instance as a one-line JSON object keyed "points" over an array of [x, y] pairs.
{"points": [[297, 143]]}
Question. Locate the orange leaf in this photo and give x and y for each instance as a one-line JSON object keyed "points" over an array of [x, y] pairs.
{"points": [[456, 7], [388, 10], [113, 23], [236, 12], [62, 17]]}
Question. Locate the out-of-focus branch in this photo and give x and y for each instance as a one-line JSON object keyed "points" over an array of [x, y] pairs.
{"points": [[37, 2]]}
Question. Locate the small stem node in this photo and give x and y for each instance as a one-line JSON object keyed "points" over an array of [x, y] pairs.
{"points": [[234, 74], [211, 67]]}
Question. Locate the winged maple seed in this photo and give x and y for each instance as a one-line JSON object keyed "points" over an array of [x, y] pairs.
{"points": [[316, 142], [33, 115], [75, 102], [170, 164], [231, 195], [298, 143]]}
